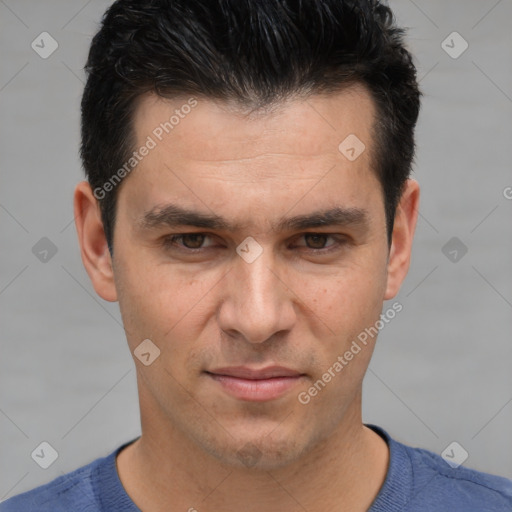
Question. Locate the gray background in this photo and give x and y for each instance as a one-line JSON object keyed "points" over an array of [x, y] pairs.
{"points": [[441, 370]]}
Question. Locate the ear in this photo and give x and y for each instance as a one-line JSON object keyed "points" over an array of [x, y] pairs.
{"points": [[402, 237], [93, 243]]}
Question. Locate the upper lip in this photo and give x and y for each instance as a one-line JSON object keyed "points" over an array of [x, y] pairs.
{"points": [[243, 372]]}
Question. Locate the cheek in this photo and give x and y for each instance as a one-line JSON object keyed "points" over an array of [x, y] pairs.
{"points": [[348, 306], [162, 302], [347, 301]]}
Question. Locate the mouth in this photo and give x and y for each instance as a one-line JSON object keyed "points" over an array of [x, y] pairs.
{"points": [[254, 385]]}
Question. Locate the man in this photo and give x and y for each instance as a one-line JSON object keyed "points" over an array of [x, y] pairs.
{"points": [[249, 205]]}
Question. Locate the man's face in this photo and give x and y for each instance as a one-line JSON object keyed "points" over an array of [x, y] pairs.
{"points": [[291, 296]]}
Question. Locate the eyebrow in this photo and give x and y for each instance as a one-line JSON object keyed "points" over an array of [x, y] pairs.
{"points": [[172, 215]]}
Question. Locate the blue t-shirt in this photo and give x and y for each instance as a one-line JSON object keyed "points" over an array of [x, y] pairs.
{"points": [[417, 481]]}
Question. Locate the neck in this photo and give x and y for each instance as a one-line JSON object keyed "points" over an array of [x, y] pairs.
{"points": [[166, 470]]}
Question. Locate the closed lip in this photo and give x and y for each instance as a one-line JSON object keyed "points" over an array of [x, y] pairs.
{"points": [[243, 372]]}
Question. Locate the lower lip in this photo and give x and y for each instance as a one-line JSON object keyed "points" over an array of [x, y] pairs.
{"points": [[256, 390]]}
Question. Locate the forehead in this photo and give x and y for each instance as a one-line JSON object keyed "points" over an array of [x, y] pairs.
{"points": [[206, 129], [214, 157]]}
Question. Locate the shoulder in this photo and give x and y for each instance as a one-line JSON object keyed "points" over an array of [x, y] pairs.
{"points": [[419, 480], [459, 487], [72, 491], [94, 487]]}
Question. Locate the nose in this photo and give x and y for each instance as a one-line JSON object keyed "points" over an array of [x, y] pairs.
{"points": [[257, 303]]}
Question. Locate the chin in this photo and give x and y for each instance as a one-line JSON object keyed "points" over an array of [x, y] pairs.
{"points": [[264, 453]]}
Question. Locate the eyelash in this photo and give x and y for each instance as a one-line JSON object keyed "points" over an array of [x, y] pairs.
{"points": [[169, 242]]}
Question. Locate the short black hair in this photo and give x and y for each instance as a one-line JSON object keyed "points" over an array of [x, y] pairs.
{"points": [[255, 52]]}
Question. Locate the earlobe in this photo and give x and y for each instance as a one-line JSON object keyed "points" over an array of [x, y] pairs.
{"points": [[402, 239], [93, 243]]}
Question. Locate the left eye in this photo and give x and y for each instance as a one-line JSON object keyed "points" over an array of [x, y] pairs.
{"points": [[317, 240]]}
